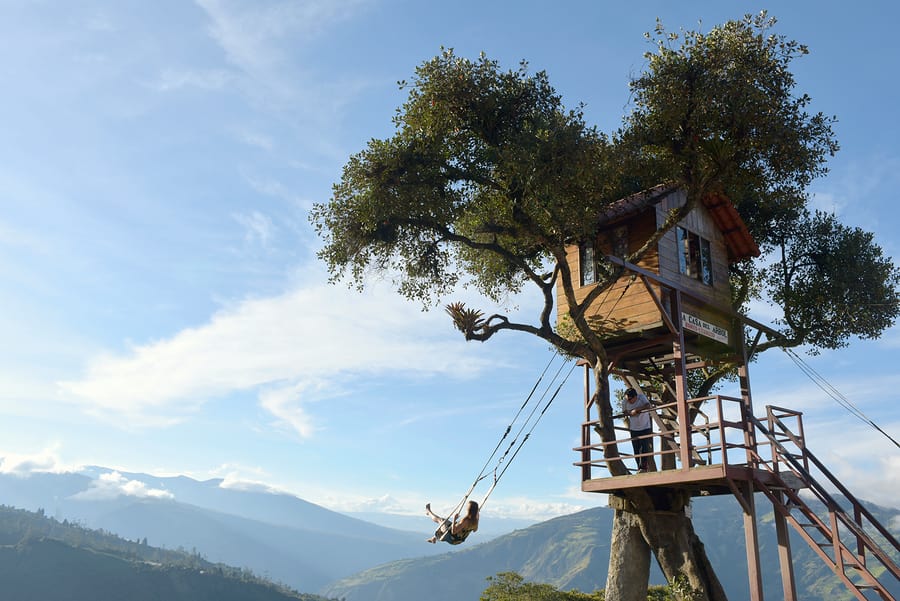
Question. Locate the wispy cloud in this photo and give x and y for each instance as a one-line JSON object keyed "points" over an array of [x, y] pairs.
{"points": [[285, 403], [258, 227], [171, 80], [246, 478], [266, 46], [848, 192], [113, 485], [289, 349], [250, 32], [409, 503]]}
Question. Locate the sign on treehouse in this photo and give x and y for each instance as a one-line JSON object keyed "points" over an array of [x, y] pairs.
{"points": [[704, 328]]}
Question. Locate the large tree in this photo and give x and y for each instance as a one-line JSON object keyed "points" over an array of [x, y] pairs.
{"points": [[488, 180]]}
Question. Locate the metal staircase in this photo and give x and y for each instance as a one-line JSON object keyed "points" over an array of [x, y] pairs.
{"points": [[849, 540]]}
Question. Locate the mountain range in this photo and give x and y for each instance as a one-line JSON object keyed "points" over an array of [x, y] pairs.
{"points": [[277, 535], [315, 550]]}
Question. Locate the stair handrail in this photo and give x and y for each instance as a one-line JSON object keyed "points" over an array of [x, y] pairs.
{"points": [[832, 505], [841, 488]]}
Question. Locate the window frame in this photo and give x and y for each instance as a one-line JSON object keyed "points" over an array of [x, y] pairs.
{"points": [[587, 257], [694, 255]]}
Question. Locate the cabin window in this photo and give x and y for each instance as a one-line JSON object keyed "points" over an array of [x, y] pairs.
{"points": [[588, 262], [694, 256]]}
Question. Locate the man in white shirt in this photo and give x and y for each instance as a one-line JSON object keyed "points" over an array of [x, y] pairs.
{"points": [[638, 408]]}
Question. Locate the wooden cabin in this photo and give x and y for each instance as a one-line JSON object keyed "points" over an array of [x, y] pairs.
{"points": [[694, 255]]}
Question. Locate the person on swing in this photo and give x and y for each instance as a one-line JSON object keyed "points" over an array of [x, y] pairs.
{"points": [[456, 530]]}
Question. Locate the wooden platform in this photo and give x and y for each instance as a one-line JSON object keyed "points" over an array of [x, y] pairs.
{"points": [[701, 480]]}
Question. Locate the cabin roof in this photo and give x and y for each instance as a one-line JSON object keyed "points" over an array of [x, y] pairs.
{"points": [[740, 243]]}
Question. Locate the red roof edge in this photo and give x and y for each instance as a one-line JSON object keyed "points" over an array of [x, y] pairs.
{"points": [[741, 244]]}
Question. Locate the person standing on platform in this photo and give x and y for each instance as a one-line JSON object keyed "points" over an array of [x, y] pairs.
{"points": [[638, 408]]}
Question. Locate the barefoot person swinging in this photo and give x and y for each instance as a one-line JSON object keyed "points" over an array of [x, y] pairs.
{"points": [[456, 530]]}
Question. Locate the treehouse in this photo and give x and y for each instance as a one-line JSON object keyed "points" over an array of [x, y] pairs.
{"points": [[663, 317], [634, 315]]}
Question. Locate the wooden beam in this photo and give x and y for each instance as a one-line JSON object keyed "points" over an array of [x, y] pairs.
{"points": [[726, 310], [684, 432], [659, 305]]}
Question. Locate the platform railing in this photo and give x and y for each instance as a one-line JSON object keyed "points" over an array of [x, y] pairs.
{"points": [[719, 439]]}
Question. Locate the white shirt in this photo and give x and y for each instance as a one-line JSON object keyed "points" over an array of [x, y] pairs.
{"points": [[641, 421]]}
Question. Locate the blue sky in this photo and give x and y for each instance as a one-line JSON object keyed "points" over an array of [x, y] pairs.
{"points": [[163, 310]]}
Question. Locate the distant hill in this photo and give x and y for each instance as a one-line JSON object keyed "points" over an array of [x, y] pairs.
{"points": [[572, 552], [286, 538], [57, 561]]}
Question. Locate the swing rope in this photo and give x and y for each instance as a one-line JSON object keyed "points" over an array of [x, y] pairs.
{"points": [[482, 475], [528, 434], [496, 477]]}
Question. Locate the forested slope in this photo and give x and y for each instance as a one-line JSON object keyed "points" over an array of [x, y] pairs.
{"points": [[42, 559]]}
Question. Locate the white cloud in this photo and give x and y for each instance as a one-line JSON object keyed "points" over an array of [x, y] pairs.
{"points": [[865, 461], [22, 465], [257, 140], [233, 482], [289, 348], [266, 44], [285, 404], [113, 485], [275, 189]]}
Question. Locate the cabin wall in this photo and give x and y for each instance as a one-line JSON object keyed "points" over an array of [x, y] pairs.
{"points": [[627, 305], [699, 222]]}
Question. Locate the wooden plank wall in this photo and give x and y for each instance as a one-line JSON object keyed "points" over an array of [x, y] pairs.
{"points": [[626, 305]]}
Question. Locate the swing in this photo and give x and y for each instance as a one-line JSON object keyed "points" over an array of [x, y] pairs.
{"points": [[444, 532]]}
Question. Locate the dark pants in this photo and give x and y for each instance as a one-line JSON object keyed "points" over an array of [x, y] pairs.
{"points": [[642, 445]]}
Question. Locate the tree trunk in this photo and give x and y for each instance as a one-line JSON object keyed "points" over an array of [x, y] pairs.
{"points": [[629, 560], [655, 515], [659, 519]]}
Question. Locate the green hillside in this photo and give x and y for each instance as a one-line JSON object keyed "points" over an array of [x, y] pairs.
{"points": [[572, 552], [42, 559]]}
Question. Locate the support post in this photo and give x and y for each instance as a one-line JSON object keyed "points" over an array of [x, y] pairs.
{"points": [[784, 553], [752, 543], [684, 420], [585, 430], [746, 398]]}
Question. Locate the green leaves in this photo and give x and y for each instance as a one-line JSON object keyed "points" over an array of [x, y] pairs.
{"points": [[832, 281], [721, 114], [488, 177], [485, 179]]}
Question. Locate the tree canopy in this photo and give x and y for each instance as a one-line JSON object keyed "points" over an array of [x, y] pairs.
{"points": [[510, 586], [489, 176]]}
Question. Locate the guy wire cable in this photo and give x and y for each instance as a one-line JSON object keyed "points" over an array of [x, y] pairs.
{"points": [[835, 394]]}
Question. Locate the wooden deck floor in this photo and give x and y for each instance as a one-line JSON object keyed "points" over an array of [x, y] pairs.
{"points": [[701, 480]]}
